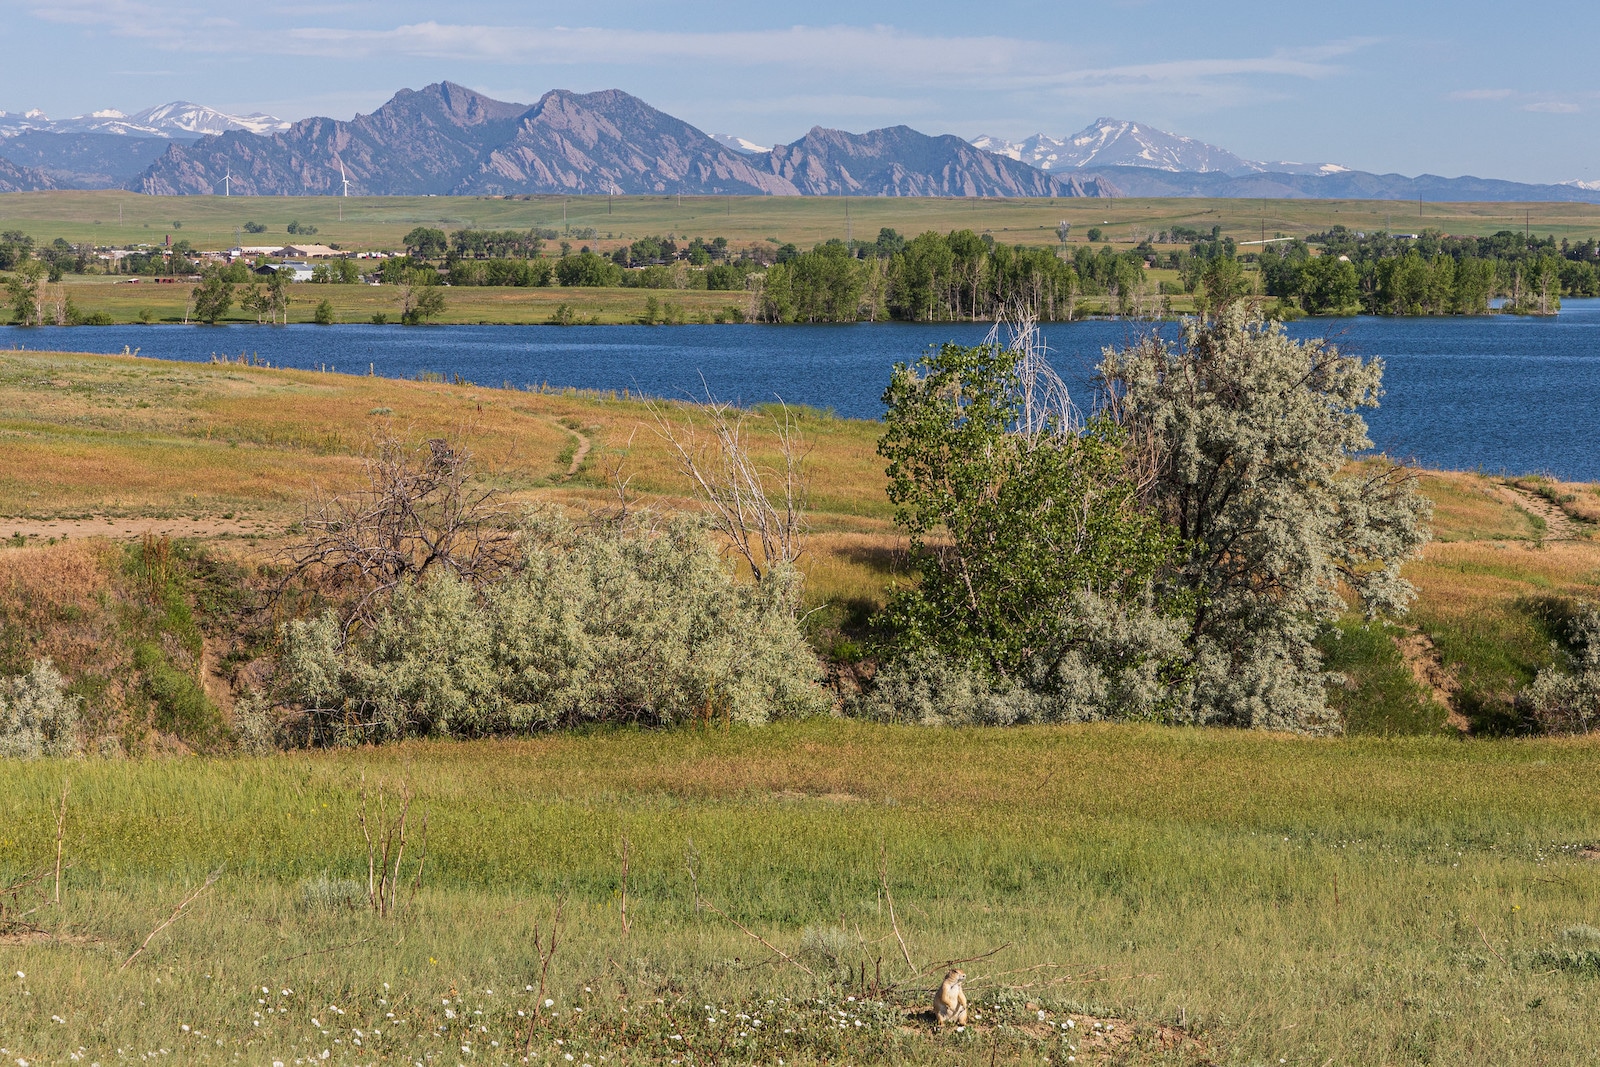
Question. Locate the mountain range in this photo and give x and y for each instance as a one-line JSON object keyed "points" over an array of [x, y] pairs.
{"points": [[1119, 143], [449, 140]]}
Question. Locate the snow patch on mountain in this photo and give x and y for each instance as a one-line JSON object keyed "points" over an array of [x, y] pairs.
{"points": [[738, 144], [1110, 142], [179, 119]]}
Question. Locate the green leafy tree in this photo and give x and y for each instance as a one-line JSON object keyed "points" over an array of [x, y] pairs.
{"points": [[213, 296], [1248, 443], [588, 269], [23, 292], [1011, 510], [323, 316], [425, 242], [421, 297], [277, 295]]}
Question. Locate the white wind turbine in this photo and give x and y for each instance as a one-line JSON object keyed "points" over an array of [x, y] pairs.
{"points": [[227, 184], [344, 179]]}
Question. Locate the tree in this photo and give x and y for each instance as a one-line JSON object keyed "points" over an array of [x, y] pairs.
{"points": [[419, 513], [277, 295], [213, 297], [254, 301], [421, 298], [424, 242], [588, 269], [1246, 443], [23, 290], [323, 316], [1011, 508]]}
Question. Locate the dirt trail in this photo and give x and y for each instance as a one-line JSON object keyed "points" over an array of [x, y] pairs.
{"points": [[1558, 524], [581, 454], [127, 529], [1416, 648]]}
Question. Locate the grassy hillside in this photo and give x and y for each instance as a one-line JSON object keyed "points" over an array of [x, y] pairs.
{"points": [[116, 218], [1202, 896], [113, 446]]}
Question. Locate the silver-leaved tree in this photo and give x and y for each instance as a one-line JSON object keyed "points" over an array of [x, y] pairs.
{"points": [[1249, 444]]}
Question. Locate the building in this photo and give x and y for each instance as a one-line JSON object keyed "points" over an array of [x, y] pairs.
{"points": [[300, 271], [308, 252]]}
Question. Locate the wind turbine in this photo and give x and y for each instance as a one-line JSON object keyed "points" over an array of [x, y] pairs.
{"points": [[345, 180], [227, 186]]}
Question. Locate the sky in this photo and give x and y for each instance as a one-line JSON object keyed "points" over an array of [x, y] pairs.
{"points": [[1451, 88]]}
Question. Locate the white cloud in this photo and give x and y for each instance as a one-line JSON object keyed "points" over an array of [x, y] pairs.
{"points": [[1553, 107]]}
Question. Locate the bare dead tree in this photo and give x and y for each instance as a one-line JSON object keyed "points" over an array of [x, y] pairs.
{"points": [[1046, 406], [759, 509], [419, 513], [385, 836]]}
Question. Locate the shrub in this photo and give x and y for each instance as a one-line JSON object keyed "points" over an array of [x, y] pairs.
{"points": [[37, 717], [254, 725], [631, 620], [325, 893], [1577, 952], [1565, 699], [1108, 661], [323, 316], [1246, 437]]}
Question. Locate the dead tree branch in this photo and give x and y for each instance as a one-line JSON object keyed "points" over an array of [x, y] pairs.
{"points": [[770, 946], [177, 913], [759, 509], [419, 513]]}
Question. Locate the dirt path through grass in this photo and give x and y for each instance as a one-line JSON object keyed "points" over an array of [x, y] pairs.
{"points": [[1558, 525], [131, 528], [581, 454]]}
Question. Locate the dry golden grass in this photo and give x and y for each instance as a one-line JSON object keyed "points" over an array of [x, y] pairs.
{"points": [[1466, 507], [96, 435]]}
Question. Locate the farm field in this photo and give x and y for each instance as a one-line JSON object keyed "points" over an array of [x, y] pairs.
{"points": [[1208, 896], [355, 304], [117, 218]]}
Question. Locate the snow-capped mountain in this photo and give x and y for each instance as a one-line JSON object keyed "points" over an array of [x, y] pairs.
{"points": [[199, 120], [1108, 142], [178, 120], [738, 144], [1576, 184]]}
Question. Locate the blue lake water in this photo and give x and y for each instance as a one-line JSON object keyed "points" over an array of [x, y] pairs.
{"points": [[1500, 393]]}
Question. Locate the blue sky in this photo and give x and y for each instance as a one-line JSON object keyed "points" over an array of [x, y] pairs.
{"points": [[1447, 88]]}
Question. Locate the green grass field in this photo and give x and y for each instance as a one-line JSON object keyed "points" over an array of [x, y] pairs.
{"points": [[119, 218], [1213, 897]]}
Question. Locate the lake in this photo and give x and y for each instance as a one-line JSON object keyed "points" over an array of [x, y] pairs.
{"points": [[1501, 393]]}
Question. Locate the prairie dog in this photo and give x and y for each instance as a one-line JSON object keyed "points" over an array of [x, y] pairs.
{"points": [[949, 1002]]}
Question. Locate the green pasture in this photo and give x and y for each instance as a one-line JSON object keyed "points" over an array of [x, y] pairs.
{"points": [[1220, 897], [112, 217]]}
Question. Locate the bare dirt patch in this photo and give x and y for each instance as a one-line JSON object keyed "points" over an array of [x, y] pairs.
{"points": [[1558, 524], [132, 529], [44, 937], [1417, 649], [1087, 1035]]}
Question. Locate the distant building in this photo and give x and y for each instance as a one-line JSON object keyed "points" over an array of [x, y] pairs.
{"points": [[300, 271], [308, 252]]}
